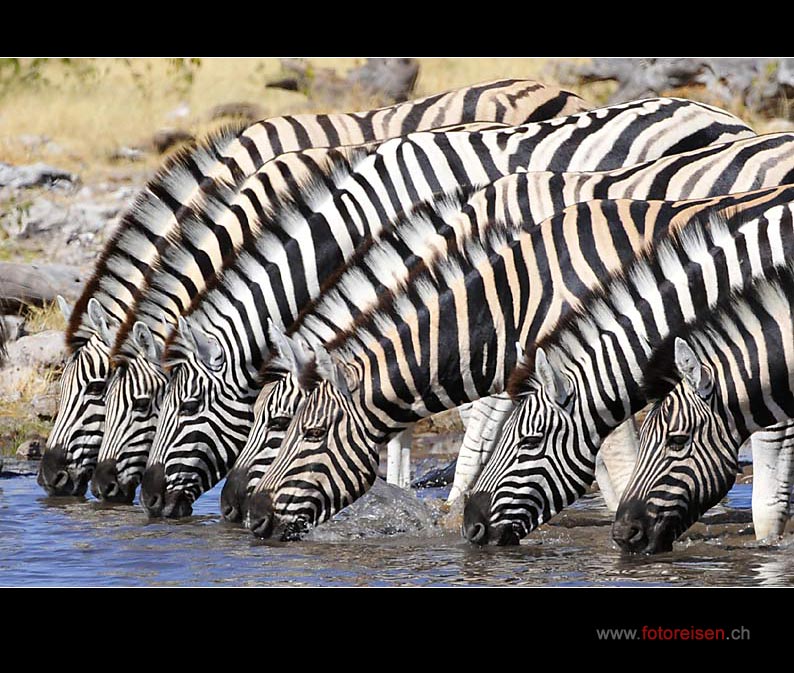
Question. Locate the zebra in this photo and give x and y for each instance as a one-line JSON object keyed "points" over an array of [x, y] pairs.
{"points": [[205, 177], [713, 384], [733, 167], [215, 354], [586, 376], [447, 338]]}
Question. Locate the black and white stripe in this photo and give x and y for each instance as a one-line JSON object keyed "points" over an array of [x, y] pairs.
{"points": [[225, 336], [201, 181], [727, 376], [447, 338], [586, 377]]}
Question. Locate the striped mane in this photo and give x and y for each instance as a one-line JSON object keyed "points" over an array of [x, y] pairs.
{"points": [[275, 222], [628, 286], [661, 374], [135, 221]]}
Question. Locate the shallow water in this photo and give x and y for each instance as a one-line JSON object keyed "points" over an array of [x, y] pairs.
{"points": [[390, 538]]}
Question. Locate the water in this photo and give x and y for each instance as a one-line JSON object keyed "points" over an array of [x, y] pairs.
{"points": [[392, 538]]}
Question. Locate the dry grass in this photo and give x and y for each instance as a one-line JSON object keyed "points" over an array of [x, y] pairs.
{"points": [[40, 318], [90, 107]]}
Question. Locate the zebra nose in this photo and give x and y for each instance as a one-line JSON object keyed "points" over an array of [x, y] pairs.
{"points": [[476, 517], [177, 505], [153, 490], [630, 528], [53, 475], [261, 515], [104, 483], [233, 496]]}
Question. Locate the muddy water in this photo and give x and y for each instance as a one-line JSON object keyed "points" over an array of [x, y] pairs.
{"points": [[390, 538]]}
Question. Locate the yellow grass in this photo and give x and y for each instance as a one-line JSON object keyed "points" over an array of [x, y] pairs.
{"points": [[40, 318], [90, 107]]}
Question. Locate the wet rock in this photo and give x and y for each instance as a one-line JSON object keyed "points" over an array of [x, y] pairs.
{"points": [[241, 110], [36, 175], [385, 510], [45, 349], [31, 449]]}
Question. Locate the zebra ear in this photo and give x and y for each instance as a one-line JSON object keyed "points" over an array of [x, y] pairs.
{"points": [[146, 341], [342, 378], [293, 353], [556, 386], [66, 308], [207, 348], [102, 323], [693, 372]]}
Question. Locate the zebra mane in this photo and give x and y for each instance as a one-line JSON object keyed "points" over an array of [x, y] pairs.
{"points": [[135, 221], [619, 289], [406, 227], [424, 282], [278, 217], [661, 375]]}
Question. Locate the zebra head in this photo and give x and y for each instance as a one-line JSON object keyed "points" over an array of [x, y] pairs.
{"points": [[72, 447], [320, 468], [687, 461], [275, 408], [203, 423], [134, 397], [544, 459]]}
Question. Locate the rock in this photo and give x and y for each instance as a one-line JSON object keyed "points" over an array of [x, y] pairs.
{"points": [[164, 139], [384, 80], [45, 349], [43, 215], [31, 449], [127, 154], [13, 327], [45, 406], [764, 85], [391, 79], [38, 284], [181, 111], [747, 469], [248, 111], [36, 175]]}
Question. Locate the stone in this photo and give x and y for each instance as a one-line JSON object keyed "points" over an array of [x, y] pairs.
{"points": [[13, 327], [44, 349], [164, 139], [31, 449], [45, 405], [241, 110], [36, 175]]}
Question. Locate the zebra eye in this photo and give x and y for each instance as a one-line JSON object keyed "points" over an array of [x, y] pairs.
{"points": [[314, 434], [677, 441], [529, 446], [96, 388], [141, 403], [279, 423], [189, 407]]}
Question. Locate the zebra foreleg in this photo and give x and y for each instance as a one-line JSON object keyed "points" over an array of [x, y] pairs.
{"points": [[486, 418], [773, 463], [398, 458], [619, 453]]}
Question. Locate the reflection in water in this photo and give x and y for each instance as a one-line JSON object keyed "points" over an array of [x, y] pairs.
{"points": [[392, 538]]}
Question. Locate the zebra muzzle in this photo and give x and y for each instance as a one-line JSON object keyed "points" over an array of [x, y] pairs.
{"points": [[261, 516]]}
